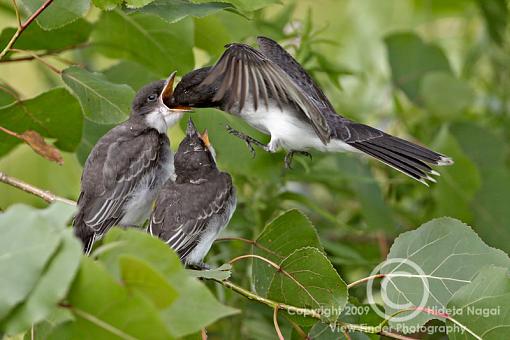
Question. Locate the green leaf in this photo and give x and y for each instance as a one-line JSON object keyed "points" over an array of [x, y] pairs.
{"points": [[140, 276], [445, 96], [221, 273], [130, 73], [481, 306], [175, 10], [29, 239], [137, 3], [307, 279], [59, 13], [447, 254], [35, 38], [8, 95], [495, 13], [103, 308], [280, 238], [62, 122], [146, 39], [50, 289], [211, 35], [411, 59], [195, 306], [106, 5], [102, 101], [490, 208]]}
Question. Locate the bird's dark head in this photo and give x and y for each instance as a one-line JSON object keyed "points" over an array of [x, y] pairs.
{"points": [[149, 105], [190, 93], [195, 154]]}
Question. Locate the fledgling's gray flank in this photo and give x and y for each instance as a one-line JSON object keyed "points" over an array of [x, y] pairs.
{"points": [[191, 211], [270, 91], [127, 167]]}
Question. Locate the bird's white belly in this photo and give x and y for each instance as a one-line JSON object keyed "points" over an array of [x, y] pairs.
{"points": [[287, 130]]}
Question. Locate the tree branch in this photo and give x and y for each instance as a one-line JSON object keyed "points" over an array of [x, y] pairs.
{"points": [[45, 195], [50, 53], [23, 26]]}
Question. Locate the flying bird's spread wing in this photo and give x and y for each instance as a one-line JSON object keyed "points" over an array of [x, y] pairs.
{"points": [[247, 74], [180, 221], [113, 173]]}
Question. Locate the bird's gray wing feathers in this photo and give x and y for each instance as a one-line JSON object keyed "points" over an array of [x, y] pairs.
{"points": [[126, 163], [183, 211], [245, 73]]}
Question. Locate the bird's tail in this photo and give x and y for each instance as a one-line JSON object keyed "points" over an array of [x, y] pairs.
{"points": [[409, 158], [84, 233]]}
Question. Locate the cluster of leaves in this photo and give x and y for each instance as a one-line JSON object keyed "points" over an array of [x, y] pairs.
{"points": [[451, 96]]}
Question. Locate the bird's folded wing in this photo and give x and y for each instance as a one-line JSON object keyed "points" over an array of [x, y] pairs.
{"points": [[246, 74], [183, 211], [125, 165]]}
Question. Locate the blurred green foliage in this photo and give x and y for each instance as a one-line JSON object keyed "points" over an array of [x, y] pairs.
{"points": [[433, 71]]}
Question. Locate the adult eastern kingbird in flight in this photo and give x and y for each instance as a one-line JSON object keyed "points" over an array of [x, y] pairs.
{"points": [[191, 211], [274, 94], [127, 166]]}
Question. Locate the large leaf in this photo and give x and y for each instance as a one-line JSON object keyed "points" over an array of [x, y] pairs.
{"points": [[139, 275], [280, 238], [58, 13], [35, 38], [29, 239], [245, 5], [175, 10], [130, 73], [103, 308], [51, 288], [428, 265], [146, 39], [102, 101], [53, 114], [195, 306], [481, 307], [307, 279], [445, 96], [411, 59]]}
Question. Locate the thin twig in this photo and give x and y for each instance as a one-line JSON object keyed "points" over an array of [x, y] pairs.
{"points": [[275, 322], [51, 53], [365, 279], [23, 26], [16, 9], [45, 195], [39, 59]]}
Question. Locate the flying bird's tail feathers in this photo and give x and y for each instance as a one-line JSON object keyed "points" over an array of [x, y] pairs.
{"points": [[404, 156]]}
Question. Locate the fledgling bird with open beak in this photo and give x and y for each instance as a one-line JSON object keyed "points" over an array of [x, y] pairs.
{"points": [[191, 211], [268, 89], [127, 166]]}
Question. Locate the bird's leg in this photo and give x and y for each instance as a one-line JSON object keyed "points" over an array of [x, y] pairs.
{"points": [[290, 155], [250, 141]]}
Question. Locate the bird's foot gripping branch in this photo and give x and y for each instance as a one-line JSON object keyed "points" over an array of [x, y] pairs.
{"points": [[428, 274]]}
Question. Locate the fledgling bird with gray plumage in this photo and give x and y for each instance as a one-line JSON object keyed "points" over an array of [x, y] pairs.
{"points": [[268, 89], [127, 166], [191, 211]]}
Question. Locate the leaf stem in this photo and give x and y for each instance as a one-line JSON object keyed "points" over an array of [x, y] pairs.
{"points": [[365, 279], [23, 26], [275, 322], [45, 195]]}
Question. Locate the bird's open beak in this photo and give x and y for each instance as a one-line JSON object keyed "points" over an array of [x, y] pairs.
{"points": [[204, 136], [166, 95]]}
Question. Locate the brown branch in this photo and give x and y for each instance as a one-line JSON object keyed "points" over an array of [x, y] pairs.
{"points": [[23, 26], [45, 195], [275, 322], [50, 53], [39, 59]]}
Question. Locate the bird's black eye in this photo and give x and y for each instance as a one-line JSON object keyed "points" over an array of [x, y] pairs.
{"points": [[152, 97]]}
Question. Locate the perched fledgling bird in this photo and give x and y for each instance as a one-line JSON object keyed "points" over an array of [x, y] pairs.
{"points": [[274, 94], [191, 211], [127, 166]]}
